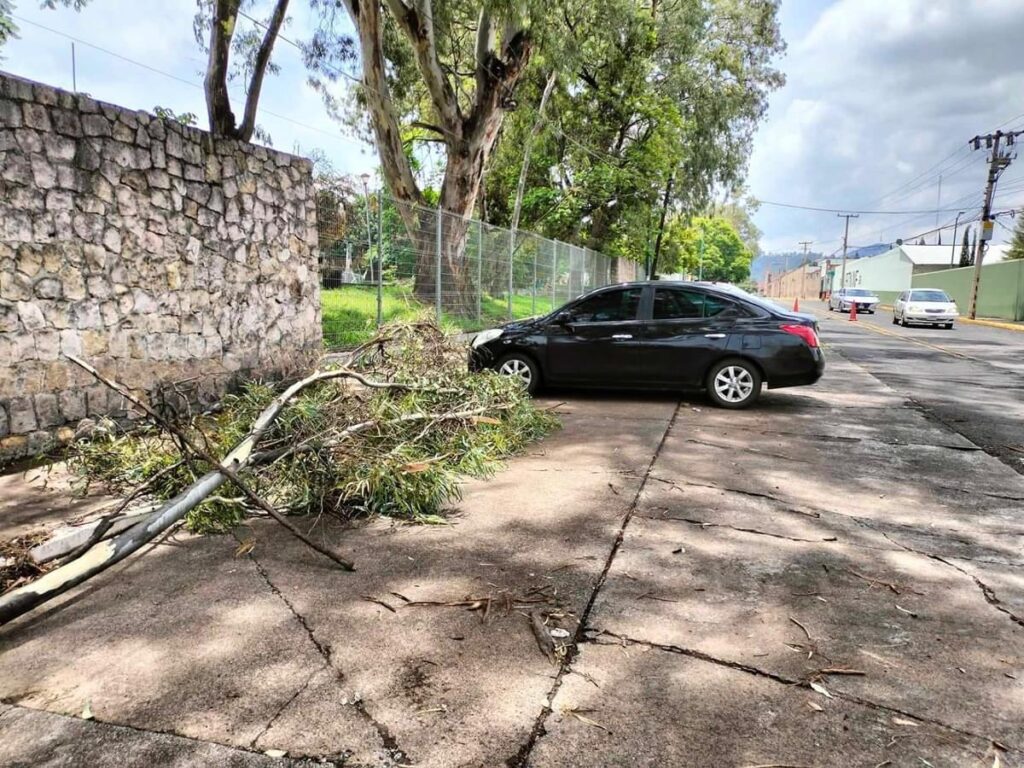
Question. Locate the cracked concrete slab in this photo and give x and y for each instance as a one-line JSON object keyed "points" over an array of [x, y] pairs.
{"points": [[451, 688], [36, 739], [642, 706], [187, 639]]}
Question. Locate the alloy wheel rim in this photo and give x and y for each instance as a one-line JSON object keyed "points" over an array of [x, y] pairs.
{"points": [[734, 384], [517, 368]]}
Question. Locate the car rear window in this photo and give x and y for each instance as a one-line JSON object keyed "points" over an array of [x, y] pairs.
{"points": [[932, 295], [683, 304]]}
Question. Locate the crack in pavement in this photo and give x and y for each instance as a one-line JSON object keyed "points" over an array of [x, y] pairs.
{"points": [[784, 680], [285, 706], [812, 512], [677, 484], [522, 756], [705, 524], [158, 732], [394, 753], [987, 592]]}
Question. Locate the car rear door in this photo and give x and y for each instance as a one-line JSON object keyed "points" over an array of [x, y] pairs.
{"points": [[688, 330], [598, 342]]}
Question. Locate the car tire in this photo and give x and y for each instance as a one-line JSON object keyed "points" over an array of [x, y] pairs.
{"points": [[521, 366], [903, 322], [894, 320], [734, 383], [948, 326]]}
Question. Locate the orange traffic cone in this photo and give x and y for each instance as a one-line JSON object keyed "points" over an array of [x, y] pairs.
{"points": [[853, 313], [796, 304]]}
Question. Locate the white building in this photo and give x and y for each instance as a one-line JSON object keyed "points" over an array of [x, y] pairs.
{"points": [[891, 272]]}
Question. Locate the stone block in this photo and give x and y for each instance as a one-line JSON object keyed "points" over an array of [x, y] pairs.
{"points": [[21, 416], [10, 114], [31, 315], [48, 288], [66, 122], [72, 404], [5, 427], [28, 140], [35, 116], [96, 125], [47, 412], [71, 343], [44, 175]]}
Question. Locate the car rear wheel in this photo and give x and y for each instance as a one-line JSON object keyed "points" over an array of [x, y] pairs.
{"points": [[521, 367], [894, 320], [734, 383]]}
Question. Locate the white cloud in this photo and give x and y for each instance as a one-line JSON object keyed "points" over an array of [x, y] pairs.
{"points": [[877, 92]]}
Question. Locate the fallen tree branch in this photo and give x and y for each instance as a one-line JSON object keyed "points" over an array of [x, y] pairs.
{"points": [[107, 553]]}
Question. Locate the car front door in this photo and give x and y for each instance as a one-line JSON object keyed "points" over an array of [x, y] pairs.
{"points": [[687, 332], [595, 340]]}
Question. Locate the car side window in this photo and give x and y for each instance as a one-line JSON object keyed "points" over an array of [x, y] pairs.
{"points": [[682, 304], [608, 307], [675, 304]]}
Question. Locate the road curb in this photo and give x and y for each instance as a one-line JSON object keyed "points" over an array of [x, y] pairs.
{"points": [[1007, 326]]}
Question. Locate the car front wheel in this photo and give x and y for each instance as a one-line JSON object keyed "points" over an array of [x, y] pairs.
{"points": [[521, 367], [734, 384]]}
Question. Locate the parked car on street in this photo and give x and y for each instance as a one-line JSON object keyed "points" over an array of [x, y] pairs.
{"points": [[659, 335], [845, 298], [929, 306]]}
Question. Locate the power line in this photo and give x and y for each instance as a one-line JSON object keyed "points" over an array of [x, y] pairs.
{"points": [[849, 210]]}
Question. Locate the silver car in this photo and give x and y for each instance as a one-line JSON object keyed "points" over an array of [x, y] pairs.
{"points": [[844, 298], [928, 306]]}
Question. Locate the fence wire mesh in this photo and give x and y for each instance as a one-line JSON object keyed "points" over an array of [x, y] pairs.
{"points": [[469, 274]]}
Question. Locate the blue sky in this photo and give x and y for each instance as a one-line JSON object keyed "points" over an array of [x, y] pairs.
{"points": [[879, 92]]}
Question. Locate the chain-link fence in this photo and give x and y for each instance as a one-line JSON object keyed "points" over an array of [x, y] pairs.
{"points": [[381, 259]]}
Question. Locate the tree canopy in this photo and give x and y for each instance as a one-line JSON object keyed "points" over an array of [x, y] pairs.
{"points": [[1017, 243]]}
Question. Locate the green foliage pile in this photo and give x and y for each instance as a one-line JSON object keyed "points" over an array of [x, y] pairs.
{"points": [[348, 449]]}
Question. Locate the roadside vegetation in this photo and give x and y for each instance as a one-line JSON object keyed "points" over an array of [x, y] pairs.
{"points": [[350, 312]]}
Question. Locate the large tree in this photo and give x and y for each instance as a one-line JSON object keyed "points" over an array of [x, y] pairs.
{"points": [[1017, 243]]}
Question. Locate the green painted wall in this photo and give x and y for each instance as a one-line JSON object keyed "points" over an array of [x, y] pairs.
{"points": [[1001, 293]]}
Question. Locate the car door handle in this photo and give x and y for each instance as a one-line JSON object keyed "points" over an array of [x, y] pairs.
{"points": [[622, 335], [714, 335]]}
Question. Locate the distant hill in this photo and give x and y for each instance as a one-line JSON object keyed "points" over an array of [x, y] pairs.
{"points": [[783, 262]]}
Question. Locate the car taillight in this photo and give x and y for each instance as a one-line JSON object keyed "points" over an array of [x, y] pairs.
{"points": [[804, 332]]}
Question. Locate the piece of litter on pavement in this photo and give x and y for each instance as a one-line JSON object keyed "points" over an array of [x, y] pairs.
{"points": [[821, 689], [275, 753], [678, 551], [901, 721], [559, 633], [87, 712], [815, 706], [911, 614]]}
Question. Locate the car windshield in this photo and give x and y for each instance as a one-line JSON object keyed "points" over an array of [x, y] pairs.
{"points": [[932, 295], [857, 292]]}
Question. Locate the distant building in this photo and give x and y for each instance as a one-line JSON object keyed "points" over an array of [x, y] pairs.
{"points": [[891, 272]]}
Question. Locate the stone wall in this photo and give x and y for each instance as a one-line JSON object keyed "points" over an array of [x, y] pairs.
{"points": [[155, 252]]}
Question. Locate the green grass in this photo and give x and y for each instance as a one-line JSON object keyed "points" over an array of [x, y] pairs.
{"points": [[350, 313]]}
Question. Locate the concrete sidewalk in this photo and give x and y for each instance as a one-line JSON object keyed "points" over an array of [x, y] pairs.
{"points": [[827, 579]]}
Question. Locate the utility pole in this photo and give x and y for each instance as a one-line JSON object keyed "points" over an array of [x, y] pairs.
{"points": [[806, 244], [998, 162], [938, 205], [952, 250], [846, 235]]}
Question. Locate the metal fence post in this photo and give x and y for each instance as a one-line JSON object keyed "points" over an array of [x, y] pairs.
{"points": [[380, 257], [437, 257], [511, 255], [533, 293], [479, 269], [554, 268]]}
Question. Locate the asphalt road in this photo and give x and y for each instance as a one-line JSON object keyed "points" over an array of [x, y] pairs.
{"points": [[970, 378]]}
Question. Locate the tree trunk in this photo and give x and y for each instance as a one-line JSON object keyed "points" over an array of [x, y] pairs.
{"points": [[534, 132], [215, 85]]}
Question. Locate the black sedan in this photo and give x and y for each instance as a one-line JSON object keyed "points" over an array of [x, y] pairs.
{"points": [[660, 335]]}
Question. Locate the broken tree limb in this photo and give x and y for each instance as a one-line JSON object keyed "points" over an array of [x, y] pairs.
{"points": [[107, 553], [229, 468]]}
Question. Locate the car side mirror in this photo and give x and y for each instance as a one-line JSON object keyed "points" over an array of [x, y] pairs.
{"points": [[562, 318]]}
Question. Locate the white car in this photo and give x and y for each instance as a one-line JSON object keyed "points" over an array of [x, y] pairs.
{"points": [[844, 298], [928, 306]]}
